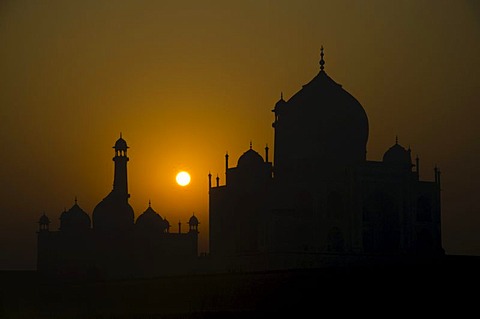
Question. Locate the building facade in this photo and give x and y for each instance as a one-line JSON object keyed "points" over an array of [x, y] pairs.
{"points": [[115, 245], [320, 196]]}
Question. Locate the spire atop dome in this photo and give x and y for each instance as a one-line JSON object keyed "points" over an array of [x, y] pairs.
{"points": [[250, 144], [322, 61], [396, 139], [281, 95], [75, 200]]}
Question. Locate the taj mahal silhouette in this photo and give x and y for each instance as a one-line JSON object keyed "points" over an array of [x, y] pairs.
{"points": [[318, 202]]}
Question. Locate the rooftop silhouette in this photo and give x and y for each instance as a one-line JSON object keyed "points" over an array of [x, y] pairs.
{"points": [[320, 201]]}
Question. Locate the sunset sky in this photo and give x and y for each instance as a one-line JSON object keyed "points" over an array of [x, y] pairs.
{"points": [[187, 81]]}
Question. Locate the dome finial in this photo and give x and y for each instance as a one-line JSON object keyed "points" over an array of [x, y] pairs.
{"points": [[281, 95], [250, 144], [75, 200], [149, 203], [322, 61], [396, 139], [120, 134]]}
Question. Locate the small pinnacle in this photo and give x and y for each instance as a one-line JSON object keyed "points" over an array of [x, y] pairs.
{"points": [[322, 61]]}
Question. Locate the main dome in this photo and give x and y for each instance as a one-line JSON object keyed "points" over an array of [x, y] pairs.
{"points": [[113, 213], [322, 122]]}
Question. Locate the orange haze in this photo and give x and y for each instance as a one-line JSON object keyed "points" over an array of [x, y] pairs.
{"points": [[186, 81]]}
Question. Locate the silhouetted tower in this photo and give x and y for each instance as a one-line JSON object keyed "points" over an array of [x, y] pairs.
{"points": [[43, 223], [193, 224], [226, 167], [114, 213], [120, 185], [44, 239]]}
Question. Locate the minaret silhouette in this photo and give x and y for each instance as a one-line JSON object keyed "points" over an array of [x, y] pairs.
{"points": [[120, 183], [114, 213]]}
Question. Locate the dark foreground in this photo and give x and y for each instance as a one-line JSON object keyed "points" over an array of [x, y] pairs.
{"points": [[425, 287]]}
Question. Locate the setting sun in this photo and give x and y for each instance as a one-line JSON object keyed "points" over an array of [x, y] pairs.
{"points": [[183, 178]]}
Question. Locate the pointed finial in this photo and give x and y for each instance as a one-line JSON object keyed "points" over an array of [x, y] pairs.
{"points": [[149, 203], [322, 61], [396, 139], [281, 95], [75, 200], [250, 144], [120, 134]]}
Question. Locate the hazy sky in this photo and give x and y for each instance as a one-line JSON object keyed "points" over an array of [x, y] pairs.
{"points": [[186, 81]]}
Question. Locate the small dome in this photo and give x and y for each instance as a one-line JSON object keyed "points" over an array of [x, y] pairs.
{"points": [[193, 221], [121, 144], [250, 158], [397, 154], [74, 219], [149, 220], [44, 220]]}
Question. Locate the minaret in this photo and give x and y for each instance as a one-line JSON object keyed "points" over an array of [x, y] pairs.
{"points": [[226, 169], [120, 185], [114, 214], [43, 223]]}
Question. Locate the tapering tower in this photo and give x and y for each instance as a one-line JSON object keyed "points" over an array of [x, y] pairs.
{"points": [[114, 213], [120, 184]]}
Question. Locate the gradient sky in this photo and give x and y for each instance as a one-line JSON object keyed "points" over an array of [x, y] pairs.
{"points": [[186, 81]]}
